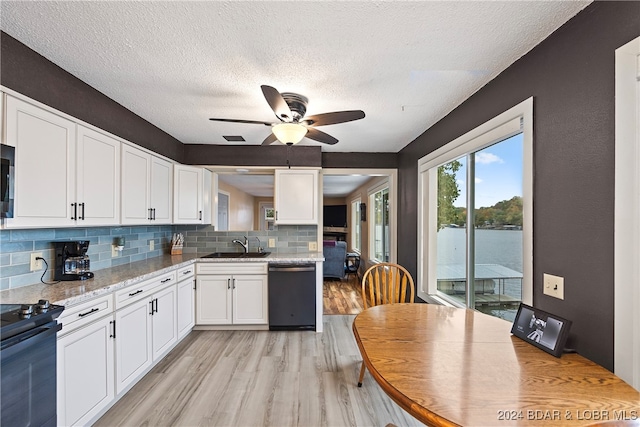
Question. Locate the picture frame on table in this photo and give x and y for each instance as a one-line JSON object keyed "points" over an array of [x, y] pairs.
{"points": [[544, 330]]}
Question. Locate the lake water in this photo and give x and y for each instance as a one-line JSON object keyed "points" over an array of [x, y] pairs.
{"points": [[501, 247]]}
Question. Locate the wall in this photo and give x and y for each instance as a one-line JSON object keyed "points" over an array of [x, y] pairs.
{"points": [[17, 246], [571, 76], [241, 209], [289, 239], [30, 74]]}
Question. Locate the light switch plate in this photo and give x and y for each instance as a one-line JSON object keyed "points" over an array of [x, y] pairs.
{"points": [[272, 243], [313, 246], [152, 245], [553, 286]]}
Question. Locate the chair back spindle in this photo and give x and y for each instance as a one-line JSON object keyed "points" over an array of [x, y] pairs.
{"points": [[387, 283]]}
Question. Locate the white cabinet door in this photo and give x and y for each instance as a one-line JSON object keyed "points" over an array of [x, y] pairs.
{"points": [[97, 178], [250, 299], [133, 343], [296, 196], [45, 165], [186, 306], [164, 321], [85, 372], [188, 185], [136, 166], [161, 191], [213, 300]]}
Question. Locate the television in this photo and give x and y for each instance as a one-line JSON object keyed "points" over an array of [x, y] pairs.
{"points": [[335, 216]]}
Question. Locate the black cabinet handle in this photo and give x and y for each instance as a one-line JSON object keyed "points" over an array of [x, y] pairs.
{"points": [[186, 272], [194, 283], [234, 283], [136, 292], [113, 325], [151, 307], [166, 280], [75, 211], [154, 214], [82, 206], [200, 215], [93, 310], [156, 304], [228, 283], [150, 217]]}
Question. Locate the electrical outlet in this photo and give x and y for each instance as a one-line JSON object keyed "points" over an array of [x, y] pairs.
{"points": [[313, 246], [114, 251], [553, 286], [36, 264], [152, 245], [272, 243]]}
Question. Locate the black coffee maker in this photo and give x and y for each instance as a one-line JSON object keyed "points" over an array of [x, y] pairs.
{"points": [[72, 261]]}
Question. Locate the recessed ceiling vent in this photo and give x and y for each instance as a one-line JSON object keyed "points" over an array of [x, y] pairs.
{"points": [[233, 138]]}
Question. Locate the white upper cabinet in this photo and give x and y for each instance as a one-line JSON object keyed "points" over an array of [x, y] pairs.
{"points": [[66, 174], [146, 187], [192, 195], [296, 196], [97, 178]]}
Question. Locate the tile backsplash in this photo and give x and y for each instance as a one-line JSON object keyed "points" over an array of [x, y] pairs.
{"points": [[16, 246]]}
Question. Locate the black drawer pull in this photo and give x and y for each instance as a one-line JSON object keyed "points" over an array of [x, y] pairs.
{"points": [[136, 292], [93, 310], [186, 272], [165, 280]]}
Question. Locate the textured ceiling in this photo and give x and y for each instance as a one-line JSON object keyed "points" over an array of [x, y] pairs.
{"points": [[175, 64]]}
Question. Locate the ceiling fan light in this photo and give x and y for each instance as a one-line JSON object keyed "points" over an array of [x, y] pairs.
{"points": [[289, 133]]}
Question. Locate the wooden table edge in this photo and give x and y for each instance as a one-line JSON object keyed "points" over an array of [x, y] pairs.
{"points": [[422, 414]]}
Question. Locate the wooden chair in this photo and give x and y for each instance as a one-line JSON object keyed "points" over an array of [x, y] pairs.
{"points": [[385, 283]]}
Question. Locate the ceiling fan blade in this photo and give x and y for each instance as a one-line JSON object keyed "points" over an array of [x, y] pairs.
{"points": [[277, 103], [269, 139], [253, 122], [333, 118], [318, 135]]}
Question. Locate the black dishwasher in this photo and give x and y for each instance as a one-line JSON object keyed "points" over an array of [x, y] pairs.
{"points": [[292, 297]]}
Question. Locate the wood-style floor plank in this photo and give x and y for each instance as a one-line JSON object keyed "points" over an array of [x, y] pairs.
{"points": [[259, 378], [342, 296]]}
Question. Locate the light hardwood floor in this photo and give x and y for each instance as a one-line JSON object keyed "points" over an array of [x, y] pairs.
{"points": [[260, 378]]}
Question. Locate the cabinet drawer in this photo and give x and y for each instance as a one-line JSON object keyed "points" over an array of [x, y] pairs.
{"points": [[186, 272], [232, 268], [82, 314], [143, 289]]}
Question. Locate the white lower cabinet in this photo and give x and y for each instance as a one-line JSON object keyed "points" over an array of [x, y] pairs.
{"points": [[231, 294], [133, 343], [186, 300], [85, 362], [146, 327]]}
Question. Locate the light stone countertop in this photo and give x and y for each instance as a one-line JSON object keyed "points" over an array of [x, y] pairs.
{"points": [[111, 279]]}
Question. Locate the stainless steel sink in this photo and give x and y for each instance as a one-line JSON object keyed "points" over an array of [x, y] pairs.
{"points": [[237, 255]]}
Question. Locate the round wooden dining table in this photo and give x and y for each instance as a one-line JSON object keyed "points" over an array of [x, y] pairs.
{"points": [[459, 367]]}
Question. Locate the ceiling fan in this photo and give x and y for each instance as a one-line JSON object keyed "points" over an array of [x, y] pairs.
{"points": [[290, 109]]}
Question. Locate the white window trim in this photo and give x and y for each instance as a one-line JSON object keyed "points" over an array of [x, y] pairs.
{"points": [[626, 360], [392, 222], [352, 233], [476, 139]]}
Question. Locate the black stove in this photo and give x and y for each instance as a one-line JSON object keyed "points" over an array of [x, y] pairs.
{"points": [[28, 364], [17, 318]]}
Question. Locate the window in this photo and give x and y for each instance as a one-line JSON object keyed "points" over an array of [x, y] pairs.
{"points": [[475, 227], [356, 234], [380, 244]]}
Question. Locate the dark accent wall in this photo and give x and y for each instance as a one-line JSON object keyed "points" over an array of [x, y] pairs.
{"points": [[360, 160], [252, 155], [571, 76], [31, 74]]}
